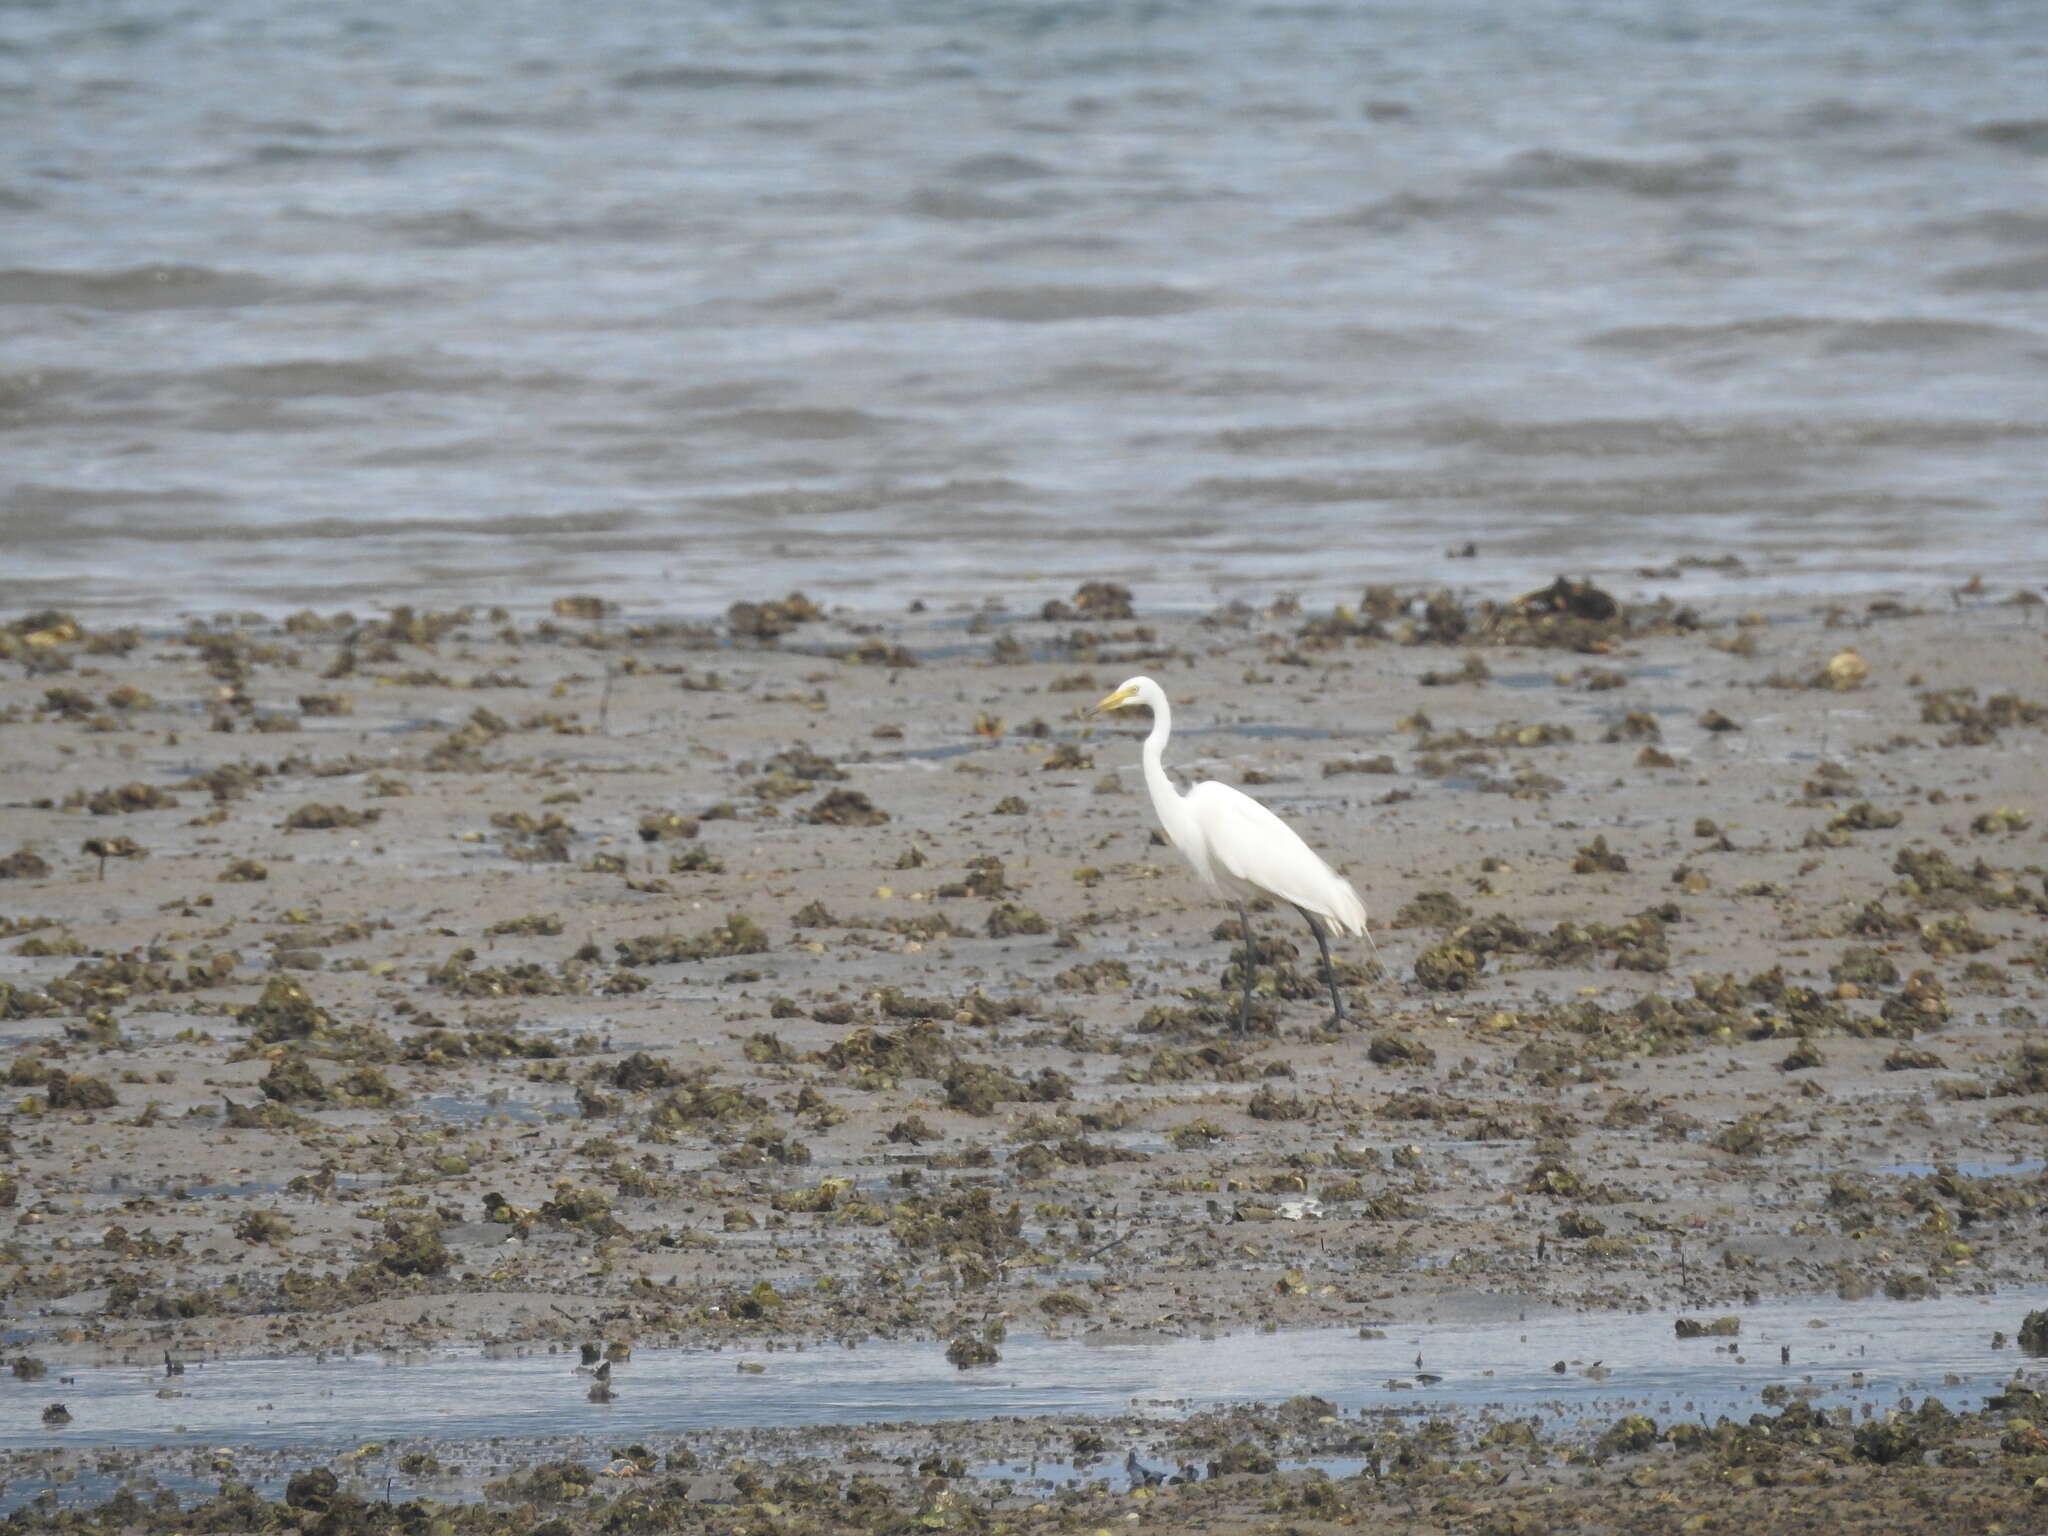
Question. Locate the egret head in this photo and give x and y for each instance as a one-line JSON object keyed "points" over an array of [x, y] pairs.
{"points": [[1133, 692]]}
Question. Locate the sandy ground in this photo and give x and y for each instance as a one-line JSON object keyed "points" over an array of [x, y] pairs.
{"points": [[452, 978]]}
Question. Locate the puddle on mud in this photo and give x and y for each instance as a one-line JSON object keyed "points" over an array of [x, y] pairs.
{"points": [[1852, 1354], [1098, 742], [493, 1409], [2019, 1168], [1049, 1473], [476, 1111], [169, 1188], [937, 754]]}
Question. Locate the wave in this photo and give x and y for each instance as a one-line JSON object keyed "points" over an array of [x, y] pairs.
{"points": [[1837, 114], [1627, 497], [1282, 438], [2029, 274], [380, 155], [2028, 135], [458, 228], [305, 378], [1050, 303], [963, 206], [1910, 333], [461, 227], [1600, 437], [468, 450], [1024, 247], [216, 530], [713, 77], [264, 416], [801, 501], [1402, 211], [2007, 226], [1764, 333], [175, 286], [1109, 378], [33, 508], [1556, 170], [998, 169], [799, 424], [40, 387], [153, 287]]}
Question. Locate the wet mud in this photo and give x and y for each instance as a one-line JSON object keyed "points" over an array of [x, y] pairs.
{"points": [[644, 1014]]}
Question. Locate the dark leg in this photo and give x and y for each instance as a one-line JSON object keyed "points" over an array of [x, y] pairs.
{"points": [[1244, 933], [1329, 969]]}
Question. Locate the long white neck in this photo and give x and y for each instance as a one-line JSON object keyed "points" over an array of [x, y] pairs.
{"points": [[1166, 800]]}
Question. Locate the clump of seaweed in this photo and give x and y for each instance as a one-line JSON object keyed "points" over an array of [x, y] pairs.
{"points": [[292, 1080], [1566, 615], [1007, 920], [739, 934], [1095, 976], [1977, 724], [666, 826], [531, 839], [24, 864], [963, 1228], [315, 816], [845, 808], [460, 975], [699, 1101], [285, 1011], [76, 1090], [771, 619], [1596, 857], [1098, 601], [1431, 909]]}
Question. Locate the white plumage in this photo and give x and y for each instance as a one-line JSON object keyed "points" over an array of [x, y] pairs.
{"points": [[1239, 848], [1247, 845]]}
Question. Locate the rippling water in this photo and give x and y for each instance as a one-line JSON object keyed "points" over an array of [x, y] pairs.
{"points": [[355, 301]]}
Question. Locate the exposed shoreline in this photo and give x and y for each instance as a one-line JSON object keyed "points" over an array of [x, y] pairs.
{"points": [[1645, 1063]]}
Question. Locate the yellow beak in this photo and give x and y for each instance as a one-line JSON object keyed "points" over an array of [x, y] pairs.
{"points": [[1115, 700]]}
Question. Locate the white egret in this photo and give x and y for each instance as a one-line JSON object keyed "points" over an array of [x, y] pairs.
{"points": [[1239, 848]]}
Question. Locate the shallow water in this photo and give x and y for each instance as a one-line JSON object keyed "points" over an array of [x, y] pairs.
{"points": [[2017, 1168], [460, 1111], [1871, 1352], [362, 302]]}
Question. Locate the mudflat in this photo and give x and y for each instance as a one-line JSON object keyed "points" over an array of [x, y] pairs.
{"points": [[446, 979]]}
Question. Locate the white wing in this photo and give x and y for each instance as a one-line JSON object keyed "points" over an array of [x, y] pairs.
{"points": [[1248, 843]]}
